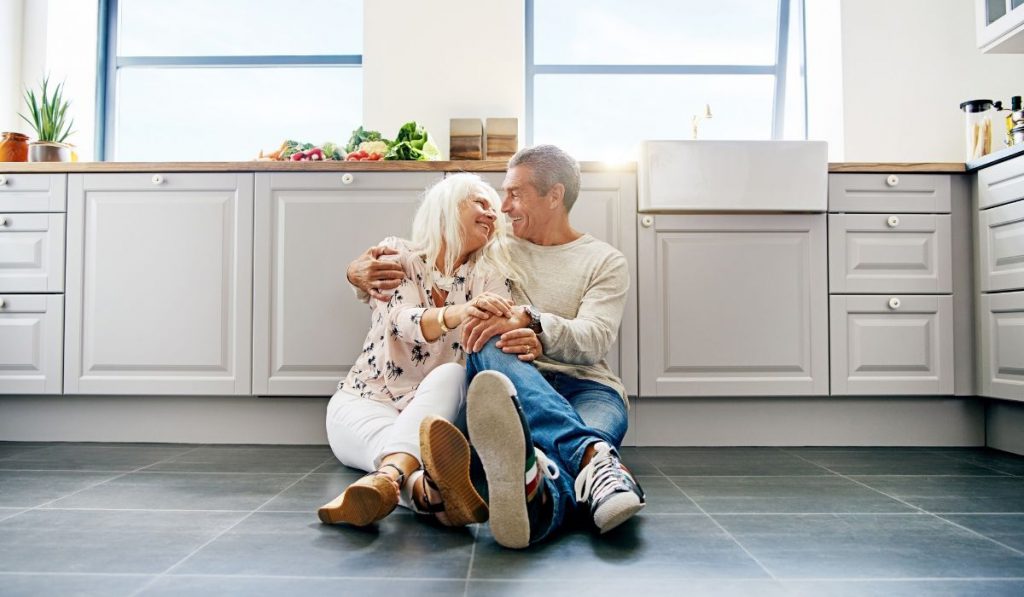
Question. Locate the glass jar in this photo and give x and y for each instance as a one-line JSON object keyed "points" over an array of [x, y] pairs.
{"points": [[977, 128], [13, 147]]}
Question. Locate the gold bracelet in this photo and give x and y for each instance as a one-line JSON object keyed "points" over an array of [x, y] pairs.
{"points": [[440, 320]]}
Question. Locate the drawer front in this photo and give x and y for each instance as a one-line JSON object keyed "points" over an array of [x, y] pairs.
{"points": [[1001, 344], [889, 193], [31, 252], [891, 345], [1001, 183], [31, 343], [1001, 247], [895, 253], [33, 192]]}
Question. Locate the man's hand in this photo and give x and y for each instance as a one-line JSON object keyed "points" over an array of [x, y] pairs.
{"points": [[487, 304], [522, 342], [476, 332], [375, 276]]}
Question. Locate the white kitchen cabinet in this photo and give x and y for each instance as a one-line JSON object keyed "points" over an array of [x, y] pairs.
{"points": [[1001, 343], [31, 252], [733, 305], [308, 327], [31, 343], [159, 284], [32, 192], [1000, 26], [606, 209], [1001, 247], [891, 345]]}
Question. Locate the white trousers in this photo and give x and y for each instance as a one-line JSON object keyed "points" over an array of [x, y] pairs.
{"points": [[363, 431]]}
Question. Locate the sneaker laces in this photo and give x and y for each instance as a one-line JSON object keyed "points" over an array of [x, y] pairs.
{"points": [[544, 465], [602, 476]]}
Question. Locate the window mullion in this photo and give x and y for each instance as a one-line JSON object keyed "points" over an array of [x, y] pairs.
{"points": [[782, 54]]}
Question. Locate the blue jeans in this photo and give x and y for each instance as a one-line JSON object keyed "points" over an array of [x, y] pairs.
{"points": [[565, 416]]}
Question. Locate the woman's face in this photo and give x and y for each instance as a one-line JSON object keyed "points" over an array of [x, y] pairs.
{"points": [[477, 218]]}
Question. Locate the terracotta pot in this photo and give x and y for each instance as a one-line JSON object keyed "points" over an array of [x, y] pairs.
{"points": [[13, 147], [45, 151]]}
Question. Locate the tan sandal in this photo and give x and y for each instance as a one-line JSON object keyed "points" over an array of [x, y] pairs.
{"points": [[364, 502], [445, 454]]}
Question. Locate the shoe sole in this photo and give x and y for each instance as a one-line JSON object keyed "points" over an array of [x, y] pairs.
{"points": [[497, 435], [619, 513], [446, 456], [358, 505]]}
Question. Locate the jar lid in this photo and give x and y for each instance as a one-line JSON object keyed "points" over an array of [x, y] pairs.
{"points": [[978, 105]]}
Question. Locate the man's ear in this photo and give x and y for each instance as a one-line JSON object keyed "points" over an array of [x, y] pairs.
{"points": [[556, 194]]}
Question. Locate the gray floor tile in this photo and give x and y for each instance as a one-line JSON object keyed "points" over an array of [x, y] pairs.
{"points": [[70, 585], [6, 513], [663, 497], [906, 588], [869, 546], [1005, 528], [333, 466], [649, 547], [181, 491], [801, 494], [729, 461], [286, 544], [954, 494], [888, 461], [637, 462], [312, 492], [29, 489], [92, 457], [104, 541], [997, 460], [12, 449], [248, 459], [226, 586], [627, 585]]}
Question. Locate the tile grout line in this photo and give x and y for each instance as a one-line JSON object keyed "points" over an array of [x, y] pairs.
{"points": [[472, 559], [157, 577], [919, 509], [724, 530]]}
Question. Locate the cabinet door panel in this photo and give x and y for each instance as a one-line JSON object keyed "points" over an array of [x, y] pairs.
{"points": [[876, 253], [32, 192], [1001, 183], [1001, 247], [159, 284], [32, 253], [31, 343], [880, 346], [737, 305], [1001, 327], [308, 326], [882, 193]]}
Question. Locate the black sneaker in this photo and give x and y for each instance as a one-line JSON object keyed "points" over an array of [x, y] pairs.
{"points": [[520, 508], [610, 489]]}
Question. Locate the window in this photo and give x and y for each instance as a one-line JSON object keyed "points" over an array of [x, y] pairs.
{"points": [[199, 80], [602, 75]]}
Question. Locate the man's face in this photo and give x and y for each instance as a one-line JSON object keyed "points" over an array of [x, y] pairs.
{"points": [[526, 208]]}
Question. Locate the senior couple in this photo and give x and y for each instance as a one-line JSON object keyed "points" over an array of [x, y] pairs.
{"points": [[526, 322]]}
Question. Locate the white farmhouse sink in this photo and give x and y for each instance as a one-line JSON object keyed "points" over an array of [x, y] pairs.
{"points": [[687, 176]]}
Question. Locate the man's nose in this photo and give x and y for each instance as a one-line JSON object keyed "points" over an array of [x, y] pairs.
{"points": [[506, 205]]}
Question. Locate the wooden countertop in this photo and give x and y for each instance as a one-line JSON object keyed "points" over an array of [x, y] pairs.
{"points": [[408, 166]]}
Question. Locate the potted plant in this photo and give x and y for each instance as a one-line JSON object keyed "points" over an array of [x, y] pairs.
{"points": [[51, 123]]}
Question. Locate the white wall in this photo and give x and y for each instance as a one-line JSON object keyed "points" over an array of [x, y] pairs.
{"points": [[11, 25], [430, 62], [907, 65]]}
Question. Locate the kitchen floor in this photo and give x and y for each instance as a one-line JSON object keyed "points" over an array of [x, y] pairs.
{"points": [[158, 519]]}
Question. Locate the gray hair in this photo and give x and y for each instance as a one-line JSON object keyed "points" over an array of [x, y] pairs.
{"points": [[550, 166]]}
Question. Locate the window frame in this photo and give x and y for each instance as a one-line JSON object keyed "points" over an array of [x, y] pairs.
{"points": [[108, 65], [778, 70]]}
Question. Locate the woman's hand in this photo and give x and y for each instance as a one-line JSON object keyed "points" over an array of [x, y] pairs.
{"points": [[375, 276], [486, 305], [522, 342]]}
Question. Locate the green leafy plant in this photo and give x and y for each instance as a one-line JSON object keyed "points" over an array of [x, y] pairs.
{"points": [[49, 113]]}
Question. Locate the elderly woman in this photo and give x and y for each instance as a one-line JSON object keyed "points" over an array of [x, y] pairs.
{"points": [[392, 414]]}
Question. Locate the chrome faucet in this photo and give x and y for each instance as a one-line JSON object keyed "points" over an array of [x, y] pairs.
{"points": [[695, 120]]}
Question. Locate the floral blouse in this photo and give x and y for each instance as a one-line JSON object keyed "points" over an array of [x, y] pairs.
{"points": [[396, 357]]}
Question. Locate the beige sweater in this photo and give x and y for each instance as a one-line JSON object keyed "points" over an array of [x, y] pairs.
{"points": [[580, 289]]}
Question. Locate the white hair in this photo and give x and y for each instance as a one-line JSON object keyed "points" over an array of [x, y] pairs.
{"points": [[437, 220]]}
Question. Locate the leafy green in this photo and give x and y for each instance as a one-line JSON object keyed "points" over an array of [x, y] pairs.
{"points": [[49, 113], [413, 142], [331, 151], [359, 135], [292, 147]]}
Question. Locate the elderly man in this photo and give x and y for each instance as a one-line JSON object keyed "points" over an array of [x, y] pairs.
{"points": [[544, 412]]}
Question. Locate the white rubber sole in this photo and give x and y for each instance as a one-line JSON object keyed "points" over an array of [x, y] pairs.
{"points": [[497, 435], [616, 511]]}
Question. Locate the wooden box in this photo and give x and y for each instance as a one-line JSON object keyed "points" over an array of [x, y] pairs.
{"points": [[466, 139], [502, 138]]}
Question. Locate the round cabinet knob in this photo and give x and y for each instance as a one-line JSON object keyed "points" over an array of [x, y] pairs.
{"points": [[347, 178], [3, 221], [647, 221], [893, 221], [894, 303], [3, 180], [2, 303], [158, 179], [892, 180]]}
